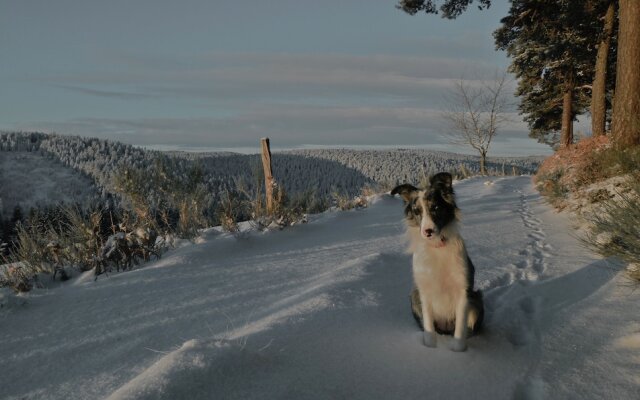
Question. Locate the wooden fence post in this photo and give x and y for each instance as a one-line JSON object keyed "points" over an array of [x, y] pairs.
{"points": [[268, 175]]}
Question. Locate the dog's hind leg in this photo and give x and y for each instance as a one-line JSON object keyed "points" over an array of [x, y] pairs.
{"points": [[459, 341], [476, 311]]}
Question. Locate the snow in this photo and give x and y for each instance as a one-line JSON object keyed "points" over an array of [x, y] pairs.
{"points": [[29, 180], [10, 300], [321, 310]]}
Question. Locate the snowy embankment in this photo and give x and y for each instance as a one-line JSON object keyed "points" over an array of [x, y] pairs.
{"points": [[322, 311]]}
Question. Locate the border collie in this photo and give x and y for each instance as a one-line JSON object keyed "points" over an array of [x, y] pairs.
{"points": [[443, 299]]}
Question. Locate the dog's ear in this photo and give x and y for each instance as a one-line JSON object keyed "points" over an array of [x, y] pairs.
{"points": [[408, 192], [442, 180]]}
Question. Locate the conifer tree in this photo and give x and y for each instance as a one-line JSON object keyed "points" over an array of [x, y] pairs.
{"points": [[448, 8], [561, 51], [551, 45]]}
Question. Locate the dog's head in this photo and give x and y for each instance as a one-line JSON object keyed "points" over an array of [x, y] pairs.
{"points": [[431, 209]]}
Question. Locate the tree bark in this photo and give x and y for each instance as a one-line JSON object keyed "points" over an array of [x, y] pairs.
{"points": [[483, 163], [566, 138], [599, 91], [626, 109]]}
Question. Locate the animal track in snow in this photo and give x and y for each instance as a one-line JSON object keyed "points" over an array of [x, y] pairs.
{"points": [[536, 252], [529, 263]]}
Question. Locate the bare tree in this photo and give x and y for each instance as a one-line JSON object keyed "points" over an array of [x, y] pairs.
{"points": [[475, 111]]}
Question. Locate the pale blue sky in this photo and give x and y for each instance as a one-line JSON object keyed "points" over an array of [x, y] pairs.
{"points": [[221, 74]]}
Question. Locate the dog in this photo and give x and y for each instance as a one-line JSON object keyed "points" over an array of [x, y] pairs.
{"points": [[443, 299]]}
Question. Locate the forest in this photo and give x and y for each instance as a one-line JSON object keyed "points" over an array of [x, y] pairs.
{"points": [[323, 171]]}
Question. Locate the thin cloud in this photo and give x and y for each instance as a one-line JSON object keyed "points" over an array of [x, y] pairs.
{"points": [[123, 95], [225, 76], [289, 126]]}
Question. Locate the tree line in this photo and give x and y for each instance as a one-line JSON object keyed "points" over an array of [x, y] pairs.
{"points": [[322, 171], [569, 57]]}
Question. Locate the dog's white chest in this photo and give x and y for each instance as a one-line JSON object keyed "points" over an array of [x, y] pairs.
{"points": [[440, 275]]}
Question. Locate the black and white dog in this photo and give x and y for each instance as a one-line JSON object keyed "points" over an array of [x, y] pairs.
{"points": [[443, 300]]}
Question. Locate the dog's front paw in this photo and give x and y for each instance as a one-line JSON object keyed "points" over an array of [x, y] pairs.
{"points": [[429, 339], [458, 344]]}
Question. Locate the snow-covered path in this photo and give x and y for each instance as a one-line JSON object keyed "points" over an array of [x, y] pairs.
{"points": [[321, 311]]}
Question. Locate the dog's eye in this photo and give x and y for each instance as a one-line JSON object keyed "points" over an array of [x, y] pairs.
{"points": [[435, 208], [416, 210]]}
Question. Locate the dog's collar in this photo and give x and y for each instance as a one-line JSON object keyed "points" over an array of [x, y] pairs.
{"points": [[441, 243]]}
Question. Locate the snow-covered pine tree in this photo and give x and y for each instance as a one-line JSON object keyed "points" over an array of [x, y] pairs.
{"points": [[552, 46], [450, 9]]}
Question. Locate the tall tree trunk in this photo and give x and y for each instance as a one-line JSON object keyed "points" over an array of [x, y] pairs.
{"points": [[566, 138], [483, 162], [599, 91], [626, 108]]}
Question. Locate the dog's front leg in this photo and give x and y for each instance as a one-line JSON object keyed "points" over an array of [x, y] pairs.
{"points": [[429, 334], [459, 341]]}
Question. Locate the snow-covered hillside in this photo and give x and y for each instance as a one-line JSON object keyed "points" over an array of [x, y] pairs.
{"points": [[389, 165], [322, 172], [29, 180], [321, 311]]}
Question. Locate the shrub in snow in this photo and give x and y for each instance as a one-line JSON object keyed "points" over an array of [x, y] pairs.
{"points": [[165, 189], [550, 185], [590, 160], [126, 248], [342, 201], [16, 276], [286, 211], [31, 256], [229, 209], [76, 240], [615, 230], [597, 180]]}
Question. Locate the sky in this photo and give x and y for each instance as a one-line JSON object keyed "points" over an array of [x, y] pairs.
{"points": [[212, 74]]}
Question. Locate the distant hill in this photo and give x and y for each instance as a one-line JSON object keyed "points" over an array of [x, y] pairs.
{"points": [[27, 179], [411, 165], [41, 169]]}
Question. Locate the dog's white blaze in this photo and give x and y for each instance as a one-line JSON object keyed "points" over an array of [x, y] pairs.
{"points": [[426, 221]]}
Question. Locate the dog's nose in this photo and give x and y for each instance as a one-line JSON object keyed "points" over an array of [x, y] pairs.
{"points": [[428, 232]]}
